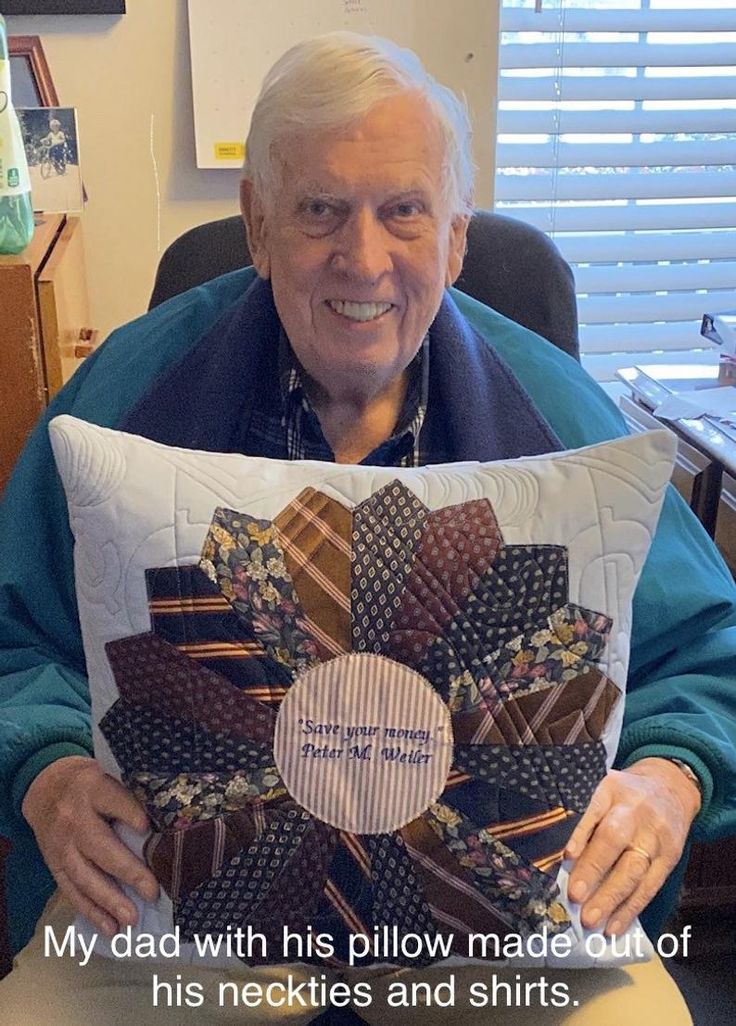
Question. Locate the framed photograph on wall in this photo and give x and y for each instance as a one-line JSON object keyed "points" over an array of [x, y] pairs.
{"points": [[29, 73], [63, 7]]}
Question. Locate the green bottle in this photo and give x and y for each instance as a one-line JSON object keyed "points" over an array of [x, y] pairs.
{"points": [[16, 207]]}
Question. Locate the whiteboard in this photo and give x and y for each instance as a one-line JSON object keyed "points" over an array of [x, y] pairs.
{"points": [[233, 43]]}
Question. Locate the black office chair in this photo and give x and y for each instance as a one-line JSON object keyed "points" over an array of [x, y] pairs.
{"points": [[510, 266]]}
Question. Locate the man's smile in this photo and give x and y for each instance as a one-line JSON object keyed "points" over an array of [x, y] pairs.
{"points": [[359, 311]]}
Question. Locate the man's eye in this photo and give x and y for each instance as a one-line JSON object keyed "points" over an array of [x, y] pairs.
{"points": [[407, 210], [317, 209]]}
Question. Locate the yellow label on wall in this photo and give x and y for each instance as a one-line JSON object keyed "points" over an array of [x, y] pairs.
{"points": [[229, 151]]}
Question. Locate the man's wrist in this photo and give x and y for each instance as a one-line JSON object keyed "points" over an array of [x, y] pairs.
{"points": [[671, 767], [36, 763], [688, 771]]}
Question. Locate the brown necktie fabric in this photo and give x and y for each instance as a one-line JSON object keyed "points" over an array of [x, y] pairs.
{"points": [[314, 532], [457, 545], [449, 889], [151, 672]]}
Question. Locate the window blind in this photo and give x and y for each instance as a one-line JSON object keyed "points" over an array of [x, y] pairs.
{"points": [[617, 136]]}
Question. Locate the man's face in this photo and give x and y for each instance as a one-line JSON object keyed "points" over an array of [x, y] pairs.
{"points": [[359, 245]]}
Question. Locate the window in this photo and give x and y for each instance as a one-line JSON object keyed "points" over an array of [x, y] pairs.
{"points": [[617, 136]]}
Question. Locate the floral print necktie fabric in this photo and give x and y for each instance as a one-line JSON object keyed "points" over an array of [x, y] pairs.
{"points": [[488, 626]]}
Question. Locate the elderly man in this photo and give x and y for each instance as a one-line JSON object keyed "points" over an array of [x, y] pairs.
{"points": [[347, 347]]}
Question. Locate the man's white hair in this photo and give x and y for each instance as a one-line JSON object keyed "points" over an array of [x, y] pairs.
{"points": [[332, 80]]}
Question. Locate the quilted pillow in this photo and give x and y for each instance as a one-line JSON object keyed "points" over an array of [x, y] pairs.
{"points": [[358, 700]]}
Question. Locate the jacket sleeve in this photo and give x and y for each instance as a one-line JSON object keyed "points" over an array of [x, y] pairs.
{"points": [[681, 692], [44, 696], [681, 698]]}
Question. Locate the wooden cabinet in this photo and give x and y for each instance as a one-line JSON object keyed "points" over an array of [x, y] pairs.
{"points": [[726, 521], [43, 308]]}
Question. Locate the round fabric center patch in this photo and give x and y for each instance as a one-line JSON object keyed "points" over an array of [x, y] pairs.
{"points": [[363, 743]]}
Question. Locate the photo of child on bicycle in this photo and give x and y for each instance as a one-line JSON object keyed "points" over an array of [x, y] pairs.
{"points": [[52, 151]]}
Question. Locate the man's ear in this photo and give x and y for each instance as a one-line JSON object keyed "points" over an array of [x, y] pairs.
{"points": [[456, 249], [251, 208]]}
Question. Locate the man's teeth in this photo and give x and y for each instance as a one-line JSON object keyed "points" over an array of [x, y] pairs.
{"points": [[359, 311]]}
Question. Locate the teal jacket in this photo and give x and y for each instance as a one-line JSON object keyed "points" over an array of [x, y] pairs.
{"points": [[682, 678]]}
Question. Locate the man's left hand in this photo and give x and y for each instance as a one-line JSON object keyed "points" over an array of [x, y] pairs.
{"points": [[629, 840]]}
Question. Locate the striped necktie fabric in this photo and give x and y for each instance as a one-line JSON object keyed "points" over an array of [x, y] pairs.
{"points": [[189, 611], [315, 534]]}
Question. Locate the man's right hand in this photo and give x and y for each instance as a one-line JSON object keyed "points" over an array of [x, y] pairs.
{"points": [[70, 806]]}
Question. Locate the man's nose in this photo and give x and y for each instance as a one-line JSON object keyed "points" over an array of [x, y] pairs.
{"points": [[363, 249]]}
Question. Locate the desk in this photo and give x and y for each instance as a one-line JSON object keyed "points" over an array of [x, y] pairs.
{"points": [[705, 473]]}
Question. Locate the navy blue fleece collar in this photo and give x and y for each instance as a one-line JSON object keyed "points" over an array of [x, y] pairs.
{"points": [[205, 401]]}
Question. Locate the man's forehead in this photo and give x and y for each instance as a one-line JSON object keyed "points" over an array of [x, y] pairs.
{"points": [[398, 131], [311, 170], [327, 185]]}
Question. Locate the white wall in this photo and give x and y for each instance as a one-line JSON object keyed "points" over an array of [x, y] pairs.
{"points": [[129, 78]]}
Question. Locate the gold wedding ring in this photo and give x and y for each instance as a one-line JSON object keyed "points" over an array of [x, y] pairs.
{"points": [[641, 851]]}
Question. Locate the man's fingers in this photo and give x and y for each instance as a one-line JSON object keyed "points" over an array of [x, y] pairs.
{"points": [[627, 871], [627, 842], [113, 801], [611, 836], [600, 803], [88, 867], [100, 846], [619, 918], [93, 913], [100, 890], [70, 807]]}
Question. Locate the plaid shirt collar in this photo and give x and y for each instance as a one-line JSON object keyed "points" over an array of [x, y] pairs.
{"points": [[304, 436]]}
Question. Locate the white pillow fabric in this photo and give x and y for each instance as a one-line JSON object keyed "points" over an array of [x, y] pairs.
{"points": [[354, 698]]}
